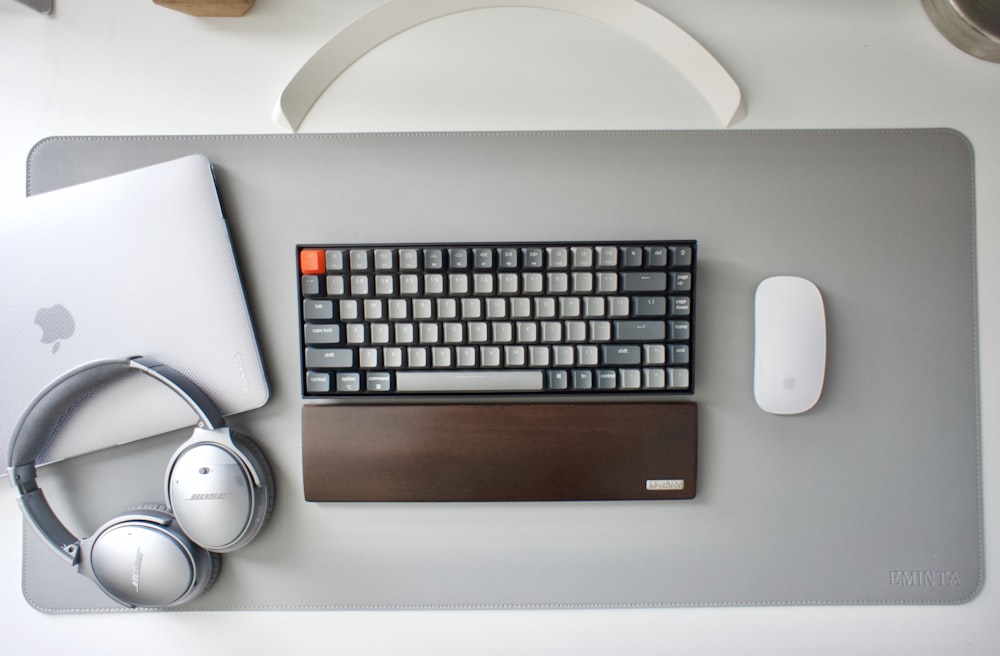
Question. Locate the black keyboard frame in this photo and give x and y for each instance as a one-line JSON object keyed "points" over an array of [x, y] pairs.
{"points": [[547, 394]]}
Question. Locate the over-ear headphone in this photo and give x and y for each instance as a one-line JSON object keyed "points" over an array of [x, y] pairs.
{"points": [[219, 493]]}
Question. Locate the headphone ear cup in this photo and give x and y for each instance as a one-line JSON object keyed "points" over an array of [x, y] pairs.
{"points": [[142, 558], [211, 491], [214, 560], [265, 492]]}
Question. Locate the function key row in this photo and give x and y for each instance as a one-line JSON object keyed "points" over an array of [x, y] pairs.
{"points": [[318, 261]]}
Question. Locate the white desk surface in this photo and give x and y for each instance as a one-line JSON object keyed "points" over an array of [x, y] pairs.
{"points": [[130, 67]]}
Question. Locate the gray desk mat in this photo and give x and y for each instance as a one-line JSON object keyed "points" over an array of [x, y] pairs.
{"points": [[871, 498]]}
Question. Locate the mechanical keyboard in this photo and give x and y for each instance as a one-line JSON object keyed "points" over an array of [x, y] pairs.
{"points": [[599, 318]]}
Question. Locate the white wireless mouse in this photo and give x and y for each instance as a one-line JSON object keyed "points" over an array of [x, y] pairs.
{"points": [[789, 345]]}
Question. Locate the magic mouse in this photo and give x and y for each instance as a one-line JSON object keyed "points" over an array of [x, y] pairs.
{"points": [[789, 345]]}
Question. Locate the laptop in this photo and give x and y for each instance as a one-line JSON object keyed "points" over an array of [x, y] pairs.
{"points": [[134, 264]]}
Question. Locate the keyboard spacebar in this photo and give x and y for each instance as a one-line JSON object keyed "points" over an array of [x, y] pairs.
{"points": [[468, 381]]}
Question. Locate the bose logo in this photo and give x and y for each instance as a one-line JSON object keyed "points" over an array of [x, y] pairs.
{"points": [[208, 496], [137, 569]]}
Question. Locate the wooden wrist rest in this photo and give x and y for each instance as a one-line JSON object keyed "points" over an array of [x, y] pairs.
{"points": [[500, 452]]}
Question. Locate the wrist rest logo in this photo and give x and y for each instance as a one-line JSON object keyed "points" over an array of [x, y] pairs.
{"points": [[56, 323], [923, 578]]}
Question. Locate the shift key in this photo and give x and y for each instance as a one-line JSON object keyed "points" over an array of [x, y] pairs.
{"points": [[640, 331], [621, 354], [329, 358]]}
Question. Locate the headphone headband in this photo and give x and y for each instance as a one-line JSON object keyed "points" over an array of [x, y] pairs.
{"points": [[36, 426]]}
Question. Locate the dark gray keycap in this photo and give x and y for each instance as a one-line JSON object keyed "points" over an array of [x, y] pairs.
{"points": [[433, 259], [533, 258], [639, 331], [656, 256], [317, 310], [606, 379], [680, 257], [615, 354], [558, 379], [329, 358], [319, 334], [508, 259], [680, 331], [458, 259], [680, 282], [349, 381], [680, 306], [649, 306], [310, 285], [378, 381], [482, 259], [643, 281], [317, 383], [630, 257]]}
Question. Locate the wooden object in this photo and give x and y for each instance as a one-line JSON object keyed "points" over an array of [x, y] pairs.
{"points": [[499, 452], [208, 8]]}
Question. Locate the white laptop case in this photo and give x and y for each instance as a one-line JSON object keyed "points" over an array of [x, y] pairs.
{"points": [[135, 264]]}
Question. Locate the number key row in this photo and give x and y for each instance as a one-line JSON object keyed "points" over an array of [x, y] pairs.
{"points": [[489, 284]]}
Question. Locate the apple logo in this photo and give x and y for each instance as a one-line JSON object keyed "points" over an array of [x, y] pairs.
{"points": [[56, 323], [788, 383]]}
